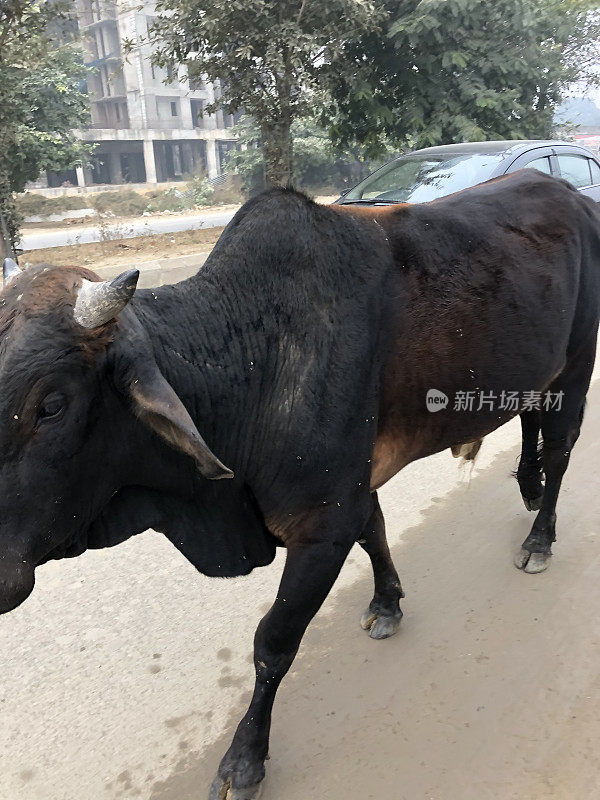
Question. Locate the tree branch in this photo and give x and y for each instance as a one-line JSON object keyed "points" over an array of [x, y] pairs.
{"points": [[302, 7]]}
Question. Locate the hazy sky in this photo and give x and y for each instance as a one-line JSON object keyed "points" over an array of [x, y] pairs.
{"points": [[586, 91]]}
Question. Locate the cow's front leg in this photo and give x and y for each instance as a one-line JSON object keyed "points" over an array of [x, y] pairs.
{"points": [[310, 572], [383, 615]]}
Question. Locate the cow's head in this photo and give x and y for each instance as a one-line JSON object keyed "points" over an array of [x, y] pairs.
{"points": [[83, 409]]}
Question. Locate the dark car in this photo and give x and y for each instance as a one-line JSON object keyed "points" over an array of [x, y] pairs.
{"points": [[437, 171]]}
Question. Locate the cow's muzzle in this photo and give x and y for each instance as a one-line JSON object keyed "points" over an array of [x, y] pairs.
{"points": [[16, 584]]}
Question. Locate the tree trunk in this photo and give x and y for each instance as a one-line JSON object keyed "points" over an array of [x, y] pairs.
{"points": [[5, 251], [277, 152], [9, 221]]}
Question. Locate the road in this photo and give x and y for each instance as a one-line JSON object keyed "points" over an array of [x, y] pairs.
{"points": [[125, 672], [126, 229]]}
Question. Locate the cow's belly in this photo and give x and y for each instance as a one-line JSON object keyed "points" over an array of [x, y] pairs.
{"points": [[404, 438], [395, 450]]}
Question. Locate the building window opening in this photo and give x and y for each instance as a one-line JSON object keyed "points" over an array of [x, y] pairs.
{"points": [[197, 107], [174, 109], [177, 160], [105, 81], [100, 43]]}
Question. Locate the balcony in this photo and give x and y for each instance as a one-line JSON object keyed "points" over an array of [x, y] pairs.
{"points": [[109, 98], [122, 124], [114, 57], [90, 26]]}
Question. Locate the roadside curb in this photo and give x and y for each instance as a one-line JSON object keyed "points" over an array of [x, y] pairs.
{"points": [[159, 271]]}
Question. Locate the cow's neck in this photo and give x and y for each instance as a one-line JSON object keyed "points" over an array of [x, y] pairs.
{"points": [[200, 336], [202, 344]]}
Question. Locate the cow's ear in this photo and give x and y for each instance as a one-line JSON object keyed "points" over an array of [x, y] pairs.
{"points": [[159, 407]]}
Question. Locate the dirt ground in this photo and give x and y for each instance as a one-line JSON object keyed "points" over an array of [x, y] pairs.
{"points": [[125, 673], [127, 251]]}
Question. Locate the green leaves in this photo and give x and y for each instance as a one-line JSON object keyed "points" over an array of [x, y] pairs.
{"points": [[453, 70], [41, 97], [271, 57], [454, 57]]}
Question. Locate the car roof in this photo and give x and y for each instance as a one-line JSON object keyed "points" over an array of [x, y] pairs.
{"points": [[501, 147]]}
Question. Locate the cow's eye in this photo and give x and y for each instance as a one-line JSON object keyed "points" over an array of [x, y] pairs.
{"points": [[51, 407]]}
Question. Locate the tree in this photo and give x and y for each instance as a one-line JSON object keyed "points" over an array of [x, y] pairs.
{"points": [[268, 56], [42, 99], [317, 164], [461, 70]]}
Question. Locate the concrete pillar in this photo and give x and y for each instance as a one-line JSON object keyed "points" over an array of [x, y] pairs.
{"points": [[80, 176], [185, 110], [114, 168], [149, 161], [188, 164], [212, 166], [210, 121]]}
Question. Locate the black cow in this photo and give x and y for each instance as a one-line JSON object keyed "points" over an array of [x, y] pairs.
{"points": [[304, 353]]}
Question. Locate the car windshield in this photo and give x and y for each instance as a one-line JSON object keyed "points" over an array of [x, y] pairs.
{"points": [[415, 179]]}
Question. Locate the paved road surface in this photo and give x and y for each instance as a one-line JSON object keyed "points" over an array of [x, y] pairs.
{"points": [[39, 239], [125, 672]]}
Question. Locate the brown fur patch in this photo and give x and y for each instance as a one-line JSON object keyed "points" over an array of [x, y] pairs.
{"points": [[383, 215], [389, 457], [44, 290], [372, 212], [294, 528]]}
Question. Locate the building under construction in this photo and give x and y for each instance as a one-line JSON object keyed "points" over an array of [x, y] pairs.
{"points": [[147, 123]]}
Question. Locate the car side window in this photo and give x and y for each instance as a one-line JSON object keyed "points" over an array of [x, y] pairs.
{"points": [[575, 169], [595, 172], [542, 164]]}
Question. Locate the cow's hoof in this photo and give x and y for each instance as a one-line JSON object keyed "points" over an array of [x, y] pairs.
{"points": [[223, 790], [380, 626], [533, 505], [532, 562]]}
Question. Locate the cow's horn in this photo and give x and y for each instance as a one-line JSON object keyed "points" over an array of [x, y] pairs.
{"points": [[100, 301], [10, 270]]}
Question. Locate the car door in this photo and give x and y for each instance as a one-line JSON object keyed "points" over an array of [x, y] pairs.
{"points": [[581, 170], [541, 158]]}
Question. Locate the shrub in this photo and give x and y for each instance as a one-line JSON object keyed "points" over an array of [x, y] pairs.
{"points": [[121, 204], [33, 205], [168, 200], [200, 190], [69, 203], [230, 191]]}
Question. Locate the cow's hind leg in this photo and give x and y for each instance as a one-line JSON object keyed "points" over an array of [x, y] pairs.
{"points": [[310, 572], [560, 430], [382, 617], [530, 471]]}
